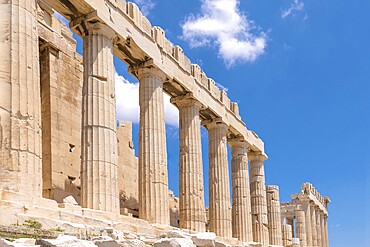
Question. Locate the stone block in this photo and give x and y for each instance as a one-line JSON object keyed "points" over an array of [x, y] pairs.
{"points": [[147, 26], [168, 46], [175, 234], [178, 54], [134, 12], [224, 99], [204, 239], [187, 64], [122, 5], [234, 108], [64, 240], [69, 208], [174, 242], [133, 243], [9, 211], [98, 214], [196, 72], [159, 36]]}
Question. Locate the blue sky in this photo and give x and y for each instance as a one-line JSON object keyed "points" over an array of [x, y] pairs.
{"points": [[302, 83]]}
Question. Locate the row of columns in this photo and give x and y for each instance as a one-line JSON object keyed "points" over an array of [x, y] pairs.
{"points": [[21, 155], [153, 183], [99, 165], [315, 225], [310, 226]]}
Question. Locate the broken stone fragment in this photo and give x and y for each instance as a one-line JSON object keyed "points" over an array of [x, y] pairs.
{"points": [[174, 242], [64, 240], [175, 234], [70, 200], [204, 239]]}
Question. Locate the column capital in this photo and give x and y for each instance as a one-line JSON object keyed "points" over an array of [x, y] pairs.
{"points": [[186, 100], [87, 25], [257, 156], [238, 142], [147, 69], [327, 201], [213, 123], [305, 200]]}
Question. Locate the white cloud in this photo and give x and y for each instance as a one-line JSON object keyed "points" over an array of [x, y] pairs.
{"points": [[145, 6], [128, 103], [296, 5], [335, 226], [221, 23]]}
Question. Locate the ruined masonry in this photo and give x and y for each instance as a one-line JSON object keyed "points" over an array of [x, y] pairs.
{"points": [[66, 164]]}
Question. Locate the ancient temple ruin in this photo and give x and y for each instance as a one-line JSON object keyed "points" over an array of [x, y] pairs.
{"points": [[66, 163]]}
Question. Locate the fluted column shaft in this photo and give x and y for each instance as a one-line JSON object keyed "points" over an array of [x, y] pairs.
{"points": [[192, 210], [287, 235], [274, 215], [258, 198], [99, 178], [313, 226], [323, 232], [241, 201], [318, 228], [326, 231], [291, 223], [219, 188], [307, 210], [20, 102], [153, 173], [301, 227]]}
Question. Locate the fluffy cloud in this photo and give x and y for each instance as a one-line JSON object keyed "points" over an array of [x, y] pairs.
{"points": [[128, 103], [221, 23], [296, 5], [145, 6]]}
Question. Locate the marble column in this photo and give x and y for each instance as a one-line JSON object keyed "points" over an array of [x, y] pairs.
{"points": [[258, 198], [313, 225], [301, 227], [318, 228], [153, 173], [241, 201], [192, 209], [323, 232], [274, 215], [99, 177], [287, 235], [20, 102], [219, 187], [307, 210], [326, 231], [291, 223]]}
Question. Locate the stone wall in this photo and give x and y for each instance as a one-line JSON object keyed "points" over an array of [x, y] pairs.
{"points": [[127, 170], [61, 75]]}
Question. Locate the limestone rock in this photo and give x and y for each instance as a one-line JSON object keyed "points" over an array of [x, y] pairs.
{"points": [[174, 242], [22, 242], [63, 241], [204, 239], [150, 240], [107, 243], [133, 243], [175, 234]]}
